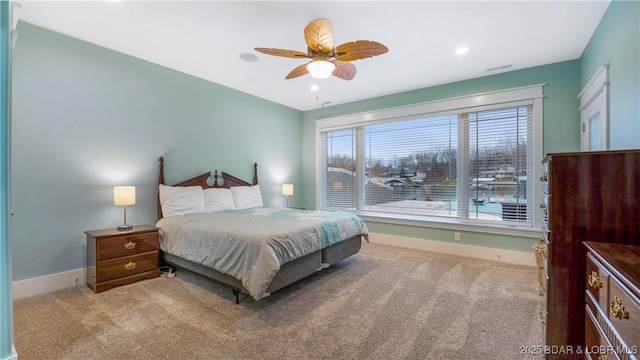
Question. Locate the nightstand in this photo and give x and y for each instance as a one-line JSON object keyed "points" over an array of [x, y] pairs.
{"points": [[121, 257]]}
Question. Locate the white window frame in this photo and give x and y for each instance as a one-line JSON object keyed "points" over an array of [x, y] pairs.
{"points": [[434, 108]]}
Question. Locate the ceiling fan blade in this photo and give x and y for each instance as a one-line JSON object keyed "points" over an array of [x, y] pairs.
{"points": [[344, 70], [360, 49], [318, 35], [299, 71], [282, 52]]}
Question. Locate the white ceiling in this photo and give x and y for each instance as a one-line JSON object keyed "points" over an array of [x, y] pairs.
{"points": [[206, 38]]}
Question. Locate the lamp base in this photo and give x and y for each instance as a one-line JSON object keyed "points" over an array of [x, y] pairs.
{"points": [[125, 228]]}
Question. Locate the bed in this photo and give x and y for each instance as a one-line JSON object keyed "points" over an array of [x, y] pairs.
{"points": [[242, 245]]}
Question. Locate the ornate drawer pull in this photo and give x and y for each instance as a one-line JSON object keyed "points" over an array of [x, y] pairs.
{"points": [[541, 248], [130, 245], [130, 266], [617, 309], [543, 319], [602, 357], [544, 177], [594, 280], [541, 253], [542, 289]]}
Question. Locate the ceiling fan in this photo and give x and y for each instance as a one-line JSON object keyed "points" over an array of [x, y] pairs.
{"points": [[327, 60]]}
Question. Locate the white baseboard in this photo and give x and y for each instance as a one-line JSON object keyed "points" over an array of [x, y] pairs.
{"points": [[53, 282], [478, 252], [49, 283], [13, 355]]}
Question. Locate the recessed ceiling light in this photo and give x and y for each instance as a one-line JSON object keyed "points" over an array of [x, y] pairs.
{"points": [[462, 50], [248, 57], [314, 88]]}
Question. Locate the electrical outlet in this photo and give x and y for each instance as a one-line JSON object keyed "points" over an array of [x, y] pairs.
{"points": [[456, 236]]}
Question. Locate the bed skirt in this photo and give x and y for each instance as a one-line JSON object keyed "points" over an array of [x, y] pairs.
{"points": [[289, 272]]}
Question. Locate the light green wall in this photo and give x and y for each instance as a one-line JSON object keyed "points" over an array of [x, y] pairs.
{"points": [[86, 119], [560, 129], [6, 313], [617, 42]]}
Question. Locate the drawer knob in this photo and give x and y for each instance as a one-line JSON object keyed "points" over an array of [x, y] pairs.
{"points": [[617, 309], [602, 357], [130, 266], [594, 280], [130, 245]]}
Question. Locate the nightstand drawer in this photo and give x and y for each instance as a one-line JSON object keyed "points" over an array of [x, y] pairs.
{"points": [[126, 266], [121, 257], [109, 248]]}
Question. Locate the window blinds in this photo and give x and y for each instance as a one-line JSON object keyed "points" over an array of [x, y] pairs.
{"points": [[470, 164], [498, 162]]}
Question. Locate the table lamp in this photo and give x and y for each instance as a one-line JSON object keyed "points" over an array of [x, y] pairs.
{"points": [[123, 196], [287, 189]]}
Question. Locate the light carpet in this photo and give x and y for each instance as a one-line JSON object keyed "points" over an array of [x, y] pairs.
{"points": [[382, 303]]}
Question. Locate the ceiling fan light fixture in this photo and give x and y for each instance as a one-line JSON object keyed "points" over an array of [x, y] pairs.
{"points": [[320, 69], [318, 35]]}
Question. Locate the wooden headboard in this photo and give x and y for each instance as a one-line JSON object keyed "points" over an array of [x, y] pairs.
{"points": [[203, 180]]}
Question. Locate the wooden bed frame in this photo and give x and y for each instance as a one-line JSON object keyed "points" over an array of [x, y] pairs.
{"points": [[289, 272]]}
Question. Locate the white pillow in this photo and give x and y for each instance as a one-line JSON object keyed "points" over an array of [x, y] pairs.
{"points": [[218, 199], [246, 197], [181, 200]]}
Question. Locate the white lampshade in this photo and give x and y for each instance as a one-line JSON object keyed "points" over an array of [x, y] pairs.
{"points": [[320, 69], [124, 195], [287, 189]]}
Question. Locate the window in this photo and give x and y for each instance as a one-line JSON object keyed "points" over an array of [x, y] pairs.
{"points": [[440, 161]]}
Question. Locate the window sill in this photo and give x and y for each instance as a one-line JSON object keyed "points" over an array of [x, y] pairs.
{"points": [[450, 224]]}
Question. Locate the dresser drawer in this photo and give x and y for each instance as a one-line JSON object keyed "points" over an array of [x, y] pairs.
{"points": [[615, 307], [544, 178], [109, 248], [597, 282], [126, 266], [544, 207], [597, 346], [624, 314]]}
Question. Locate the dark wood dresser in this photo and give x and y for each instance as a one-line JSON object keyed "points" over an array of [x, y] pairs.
{"points": [[121, 257], [587, 196], [612, 311]]}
